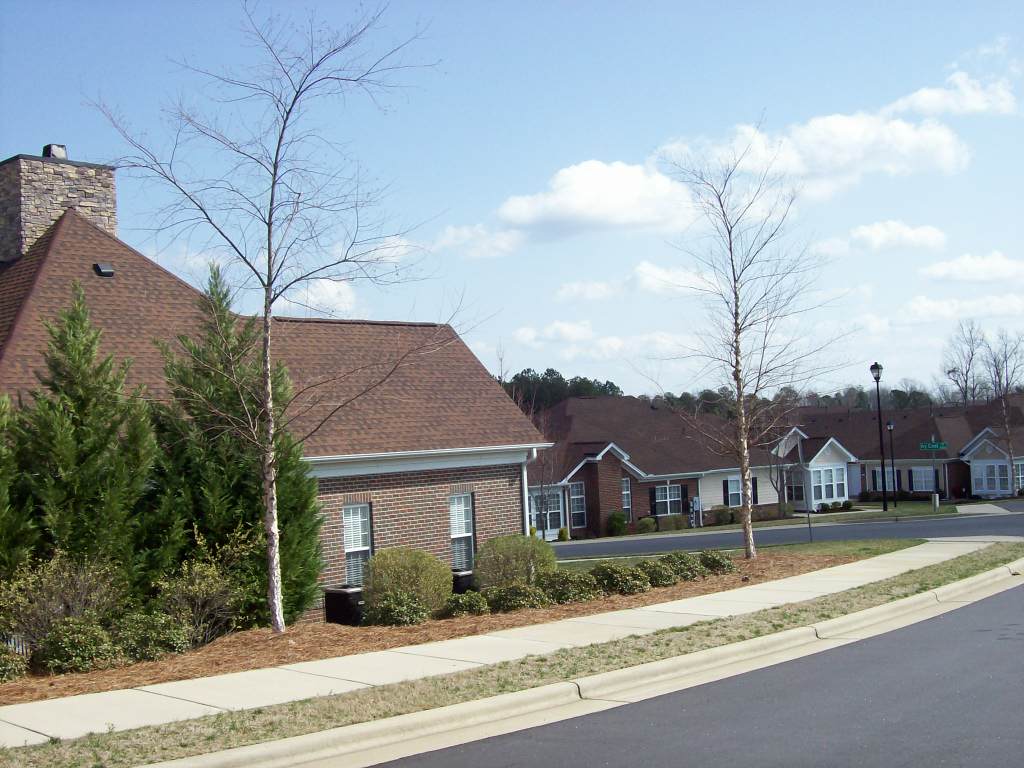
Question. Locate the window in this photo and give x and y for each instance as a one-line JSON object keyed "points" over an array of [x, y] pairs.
{"points": [[829, 484], [627, 499], [577, 505], [668, 500], [923, 478], [356, 522], [460, 513], [735, 492], [876, 479], [997, 477], [794, 487], [1018, 469]]}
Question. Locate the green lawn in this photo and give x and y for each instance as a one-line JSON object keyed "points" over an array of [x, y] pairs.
{"points": [[841, 548]]}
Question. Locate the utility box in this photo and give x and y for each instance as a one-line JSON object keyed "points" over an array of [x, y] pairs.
{"points": [[343, 605], [935, 502]]}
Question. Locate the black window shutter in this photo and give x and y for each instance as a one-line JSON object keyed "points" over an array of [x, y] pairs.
{"points": [[654, 501], [899, 479], [753, 487], [874, 480], [910, 480], [686, 491], [725, 492]]}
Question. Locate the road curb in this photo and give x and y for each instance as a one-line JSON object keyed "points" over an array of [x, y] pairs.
{"points": [[344, 740], [362, 737]]}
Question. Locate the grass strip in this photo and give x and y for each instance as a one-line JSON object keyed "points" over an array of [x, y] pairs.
{"points": [[234, 729], [862, 548]]}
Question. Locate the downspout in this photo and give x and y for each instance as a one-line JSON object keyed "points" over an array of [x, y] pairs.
{"points": [[524, 496]]}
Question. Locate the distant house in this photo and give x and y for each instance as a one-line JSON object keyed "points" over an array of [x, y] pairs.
{"points": [[624, 454], [434, 457]]}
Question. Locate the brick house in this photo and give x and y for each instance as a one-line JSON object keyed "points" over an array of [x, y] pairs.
{"points": [[433, 456], [625, 454]]}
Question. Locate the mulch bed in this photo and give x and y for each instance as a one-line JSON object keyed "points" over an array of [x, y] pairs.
{"points": [[257, 648]]}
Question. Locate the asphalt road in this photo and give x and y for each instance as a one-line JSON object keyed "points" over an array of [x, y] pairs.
{"points": [[944, 692], [909, 528]]}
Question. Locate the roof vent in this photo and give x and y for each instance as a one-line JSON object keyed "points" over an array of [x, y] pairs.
{"points": [[103, 270], [56, 151]]}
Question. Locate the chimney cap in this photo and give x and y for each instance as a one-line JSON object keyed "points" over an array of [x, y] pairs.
{"points": [[56, 151]]}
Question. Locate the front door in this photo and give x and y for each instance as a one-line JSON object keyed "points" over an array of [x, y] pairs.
{"points": [[547, 513]]}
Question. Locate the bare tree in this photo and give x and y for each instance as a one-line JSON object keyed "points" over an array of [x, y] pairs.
{"points": [[1004, 367], [757, 286], [260, 177], [962, 360]]}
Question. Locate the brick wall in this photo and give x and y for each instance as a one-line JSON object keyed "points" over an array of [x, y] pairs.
{"points": [[410, 509], [35, 192]]}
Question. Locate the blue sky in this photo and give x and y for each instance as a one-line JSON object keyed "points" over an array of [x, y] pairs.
{"points": [[526, 157]]}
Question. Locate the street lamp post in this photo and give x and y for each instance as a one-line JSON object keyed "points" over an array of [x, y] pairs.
{"points": [[876, 374], [892, 463]]}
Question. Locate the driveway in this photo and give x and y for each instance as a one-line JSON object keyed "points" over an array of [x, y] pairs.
{"points": [[942, 692], [909, 528]]}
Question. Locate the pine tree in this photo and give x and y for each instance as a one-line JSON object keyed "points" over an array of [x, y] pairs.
{"points": [[86, 450], [211, 469], [19, 535]]}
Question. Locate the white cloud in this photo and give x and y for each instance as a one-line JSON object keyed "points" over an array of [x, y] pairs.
{"points": [[993, 267], [332, 298], [597, 195], [832, 247], [1004, 305], [961, 95], [666, 280], [527, 336], [897, 234], [831, 152], [478, 241], [873, 324], [644, 345], [591, 290], [562, 330]]}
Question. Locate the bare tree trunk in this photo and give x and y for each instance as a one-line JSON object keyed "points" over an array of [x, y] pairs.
{"points": [[742, 438], [1009, 444], [275, 601]]}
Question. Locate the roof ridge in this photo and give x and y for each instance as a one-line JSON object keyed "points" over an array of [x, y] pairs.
{"points": [[355, 321]]}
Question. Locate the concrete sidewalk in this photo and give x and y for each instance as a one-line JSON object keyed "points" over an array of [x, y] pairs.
{"points": [[75, 716]]}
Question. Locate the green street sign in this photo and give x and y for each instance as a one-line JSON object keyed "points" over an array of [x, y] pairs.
{"points": [[933, 446]]}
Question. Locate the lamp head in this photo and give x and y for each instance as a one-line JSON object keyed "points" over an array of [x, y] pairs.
{"points": [[876, 371], [890, 426]]}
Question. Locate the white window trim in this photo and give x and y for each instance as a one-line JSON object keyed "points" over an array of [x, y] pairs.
{"points": [[915, 472], [573, 496], [876, 479], [671, 493], [738, 492], [820, 483], [464, 535], [627, 498], [360, 549]]}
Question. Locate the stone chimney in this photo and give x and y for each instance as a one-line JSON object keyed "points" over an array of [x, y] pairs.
{"points": [[35, 192]]}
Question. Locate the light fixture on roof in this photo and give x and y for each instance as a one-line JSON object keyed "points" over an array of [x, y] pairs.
{"points": [[103, 269]]}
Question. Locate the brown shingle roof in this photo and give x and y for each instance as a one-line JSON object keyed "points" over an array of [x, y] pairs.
{"points": [[439, 396], [656, 438]]}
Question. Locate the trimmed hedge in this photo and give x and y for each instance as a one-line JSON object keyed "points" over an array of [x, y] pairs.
{"points": [[397, 608], [646, 525], [12, 665], [466, 604], [620, 579], [515, 597], [565, 586], [847, 505], [516, 559], [658, 573], [412, 571], [716, 561], [672, 522], [686, 565], [563, 534], [77, 644]]}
